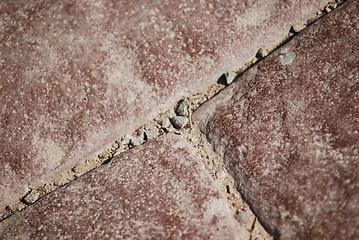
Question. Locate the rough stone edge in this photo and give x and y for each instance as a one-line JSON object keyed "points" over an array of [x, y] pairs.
{"points": [[105, 154], [250, 227], [202, 118]]}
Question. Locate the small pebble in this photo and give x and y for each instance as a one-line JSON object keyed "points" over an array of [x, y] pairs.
{"points": [[151, 133], [230, 76], [179, 122], [16, 207], [126, 140], [137, 140], [182, 108], [261, 53], [115, 146], [104, 156], [166, 123], [31, 197]]}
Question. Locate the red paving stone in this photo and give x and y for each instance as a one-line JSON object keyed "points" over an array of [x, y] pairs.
{"points": [[159, 190], [288, 130], [76, 75]]}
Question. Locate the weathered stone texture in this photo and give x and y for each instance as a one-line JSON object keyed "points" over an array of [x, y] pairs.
{"points": [[75, 75], [289, 131], [156, 191]]}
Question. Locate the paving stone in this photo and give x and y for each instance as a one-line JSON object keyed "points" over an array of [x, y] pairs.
{"points": [[76, 75], [159, 190], [288, 130]]}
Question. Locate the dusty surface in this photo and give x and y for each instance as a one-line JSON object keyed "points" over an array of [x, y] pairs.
{"points": [[156, 191], [76, 75], [252, 229], [288, 131], [248, 224]]}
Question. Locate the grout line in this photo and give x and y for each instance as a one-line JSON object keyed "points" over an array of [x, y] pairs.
{"points": [[160, 125], [252, 228], [215, 166]]}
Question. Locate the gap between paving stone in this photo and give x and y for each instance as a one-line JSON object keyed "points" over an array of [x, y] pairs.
{"points": [[239, 30], [161, 125], [222, 124], [214, 164]]}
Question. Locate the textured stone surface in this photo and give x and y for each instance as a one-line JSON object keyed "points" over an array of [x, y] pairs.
{"points": [[156, 191], [289, 131], [75, 75]]}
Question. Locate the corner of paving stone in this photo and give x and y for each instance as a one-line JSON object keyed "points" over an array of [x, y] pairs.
{"points": [[250, 227], [181, 186], [251, 142], [137, 139]]}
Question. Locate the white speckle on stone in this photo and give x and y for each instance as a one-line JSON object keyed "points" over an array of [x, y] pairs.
{"points": [[172, 35], [266, 172], [287, 58]]}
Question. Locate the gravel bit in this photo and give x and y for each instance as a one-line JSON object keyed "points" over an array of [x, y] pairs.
{"points": [[165, 123], [104, 156], [31, 197], [179, 122], [230, 76], [151, 133], [182, 108], [262, 53], [16, 207], [115, 146], [137, 140], [126, 140]]}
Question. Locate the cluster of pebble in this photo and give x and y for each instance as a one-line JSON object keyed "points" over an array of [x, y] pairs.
{"points": [[179, 121]]}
